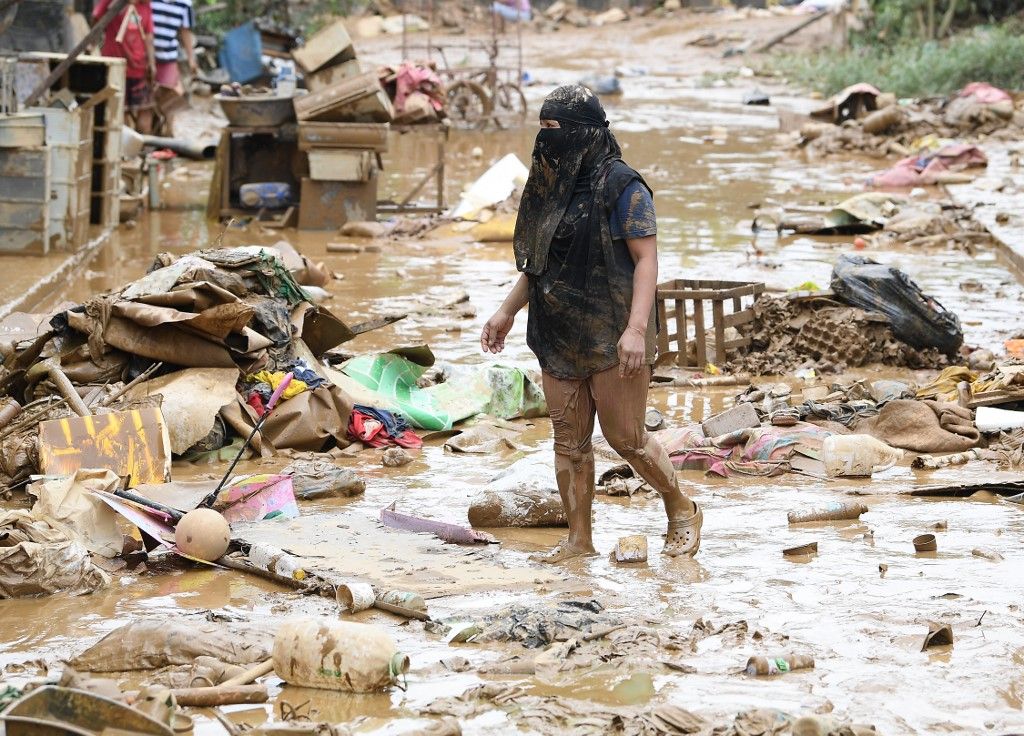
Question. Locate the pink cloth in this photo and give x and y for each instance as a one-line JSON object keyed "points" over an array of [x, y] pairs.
{"points": [[924, 170], [168, 74], [985, 93], [415, 78]]}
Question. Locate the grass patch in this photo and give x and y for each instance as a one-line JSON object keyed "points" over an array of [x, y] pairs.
{"points": [[993, 54]]}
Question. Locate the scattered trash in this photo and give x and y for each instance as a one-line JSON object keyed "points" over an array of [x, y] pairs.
{"points": [[517, 508], [448, 532], [654, 420], [925, 543], [337, 655], [631, 549], [273, 560], [202, 534], [835, 511], [51, 709], [312, 479], [759, 666], [395, 457], [355, 597], [857, 455], [802, 550], [938, 635], [496, 185]]}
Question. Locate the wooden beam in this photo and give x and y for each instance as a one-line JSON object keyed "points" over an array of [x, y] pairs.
{"points": [[90, 38]]}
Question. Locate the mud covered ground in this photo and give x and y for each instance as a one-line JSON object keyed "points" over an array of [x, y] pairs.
{"points": [[861, 607]]}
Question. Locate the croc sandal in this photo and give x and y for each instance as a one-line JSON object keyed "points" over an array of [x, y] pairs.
{"points": [[683, 536], [560, 553]]}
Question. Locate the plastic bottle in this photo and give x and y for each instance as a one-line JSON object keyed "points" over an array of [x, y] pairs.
{"points": [[284, 83], [857, 455], [834, 511], [401, 601], [277, 561], [265, 194], [779, 664], [337, 655]]}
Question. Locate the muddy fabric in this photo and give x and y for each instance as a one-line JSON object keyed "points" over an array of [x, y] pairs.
{"points": [[149, 645], [541, 624], [923, 426], [619, 403], [581, 279], [68, 501], [39, 558], [319, 478]]}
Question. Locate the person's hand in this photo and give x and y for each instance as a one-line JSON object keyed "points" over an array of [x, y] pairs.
{"points": [[492, 339], [632, 349]]}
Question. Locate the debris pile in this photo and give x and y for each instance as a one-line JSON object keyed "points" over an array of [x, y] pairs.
{"points": [[816, 331], [863, 120]]}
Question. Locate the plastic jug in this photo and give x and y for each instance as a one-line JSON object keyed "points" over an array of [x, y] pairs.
{"points": [[857, 455], [337, 655]]}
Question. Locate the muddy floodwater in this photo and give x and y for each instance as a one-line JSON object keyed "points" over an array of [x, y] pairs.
{"points": [[861, 607]]}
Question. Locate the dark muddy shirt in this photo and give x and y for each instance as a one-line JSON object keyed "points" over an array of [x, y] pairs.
{"points": [[579, 307]]}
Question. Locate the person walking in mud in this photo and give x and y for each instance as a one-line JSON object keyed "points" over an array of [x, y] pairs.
{"points": [[586, 245]]}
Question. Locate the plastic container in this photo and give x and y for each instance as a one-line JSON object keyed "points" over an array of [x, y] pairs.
{"points": [[354, 597], [277, 561], [925, 543], [835, 511], [271, 194], [337, 655], [991, 419], [779, 664], [857, 455], [284, 83]]}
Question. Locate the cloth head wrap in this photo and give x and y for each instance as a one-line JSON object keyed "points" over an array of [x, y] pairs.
{"points": [[565, 162]]}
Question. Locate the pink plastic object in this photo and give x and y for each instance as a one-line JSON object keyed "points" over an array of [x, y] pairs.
{"points": [[279, 391]]}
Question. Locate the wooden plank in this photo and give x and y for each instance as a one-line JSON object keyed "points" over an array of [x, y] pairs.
{"points": [[739, 318], [699, 337], [663, 337], [718, 316], [738, 342], [680, 310]]}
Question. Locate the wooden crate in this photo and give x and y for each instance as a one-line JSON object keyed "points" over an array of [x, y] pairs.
{"points": [[688, 309], [331, 75], [358, 99]]}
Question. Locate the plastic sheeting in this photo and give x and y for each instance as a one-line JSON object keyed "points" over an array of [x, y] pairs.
{"points": [[39, 558]]}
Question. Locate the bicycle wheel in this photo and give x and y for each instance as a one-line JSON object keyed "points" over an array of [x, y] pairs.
{"points": [[509, 106], [468, 105]]}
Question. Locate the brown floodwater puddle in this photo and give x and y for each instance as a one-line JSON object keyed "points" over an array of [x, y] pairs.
{"points": [[864, 628]]}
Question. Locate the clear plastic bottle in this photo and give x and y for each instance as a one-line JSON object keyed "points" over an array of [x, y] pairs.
{"points": [[277, 561], [285, 83]]}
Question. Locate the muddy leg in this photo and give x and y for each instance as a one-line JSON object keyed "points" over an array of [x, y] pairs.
{"points": [[621, 403], [572, 419]]}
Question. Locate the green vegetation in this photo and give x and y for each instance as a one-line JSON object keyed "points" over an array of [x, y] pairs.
{"points": [[302, 16], [914, 68]]}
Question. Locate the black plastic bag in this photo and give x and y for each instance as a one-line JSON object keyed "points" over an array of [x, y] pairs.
{"points": [[916, 318]]}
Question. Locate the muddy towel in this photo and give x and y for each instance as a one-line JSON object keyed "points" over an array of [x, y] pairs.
{"points": [[923, 426]]}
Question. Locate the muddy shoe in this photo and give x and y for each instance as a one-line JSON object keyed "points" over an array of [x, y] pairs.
{"points": [[683, 537], [562, 552], [784, 417]]}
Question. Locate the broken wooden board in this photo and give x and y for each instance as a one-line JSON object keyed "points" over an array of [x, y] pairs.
{"points": [[351, 546]]}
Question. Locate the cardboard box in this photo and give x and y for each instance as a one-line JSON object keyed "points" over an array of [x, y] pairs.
{"points": [[331, 75], [338, 164], [331, 45], [362, 136], [327, 205], [357, 99]]}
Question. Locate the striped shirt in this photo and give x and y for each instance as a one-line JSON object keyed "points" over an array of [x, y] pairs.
{"points": [[169, 17]]}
